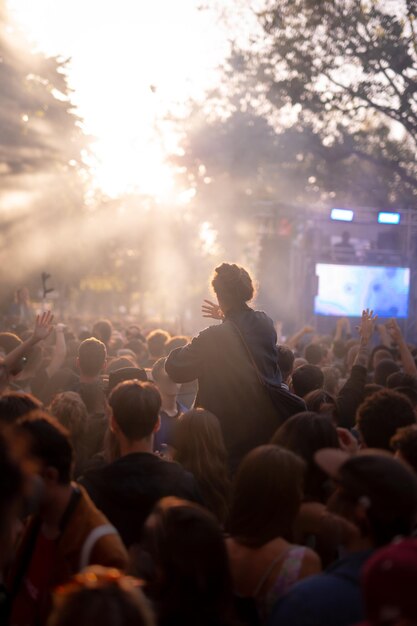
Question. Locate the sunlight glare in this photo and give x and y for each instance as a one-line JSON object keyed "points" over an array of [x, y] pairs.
{"points": [[131, 61]]}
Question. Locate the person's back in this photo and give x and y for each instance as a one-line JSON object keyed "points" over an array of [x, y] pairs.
{"points": [[266, 498], [127, 489], [91, 361], [234, 362]]}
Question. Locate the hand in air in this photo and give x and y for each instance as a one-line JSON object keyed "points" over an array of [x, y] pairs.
{"points": [[43, 326], [367, 325], [211, 310], [394, 330]]}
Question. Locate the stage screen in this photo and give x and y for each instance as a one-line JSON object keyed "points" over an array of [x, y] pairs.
{"points": [[345, 290]]}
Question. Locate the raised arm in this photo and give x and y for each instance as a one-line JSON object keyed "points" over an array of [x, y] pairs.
{"points": [[352, 393], [42, 330], [293, 341], [406, 356], [60, 351]]}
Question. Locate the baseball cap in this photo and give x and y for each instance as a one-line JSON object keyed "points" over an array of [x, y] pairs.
{"points": [[389, 581], [384, 485]]}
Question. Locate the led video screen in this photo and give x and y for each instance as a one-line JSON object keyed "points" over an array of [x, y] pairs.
{"points": [[345, 290]]}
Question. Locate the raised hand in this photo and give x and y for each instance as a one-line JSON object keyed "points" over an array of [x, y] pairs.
{"points": [[43, 326], [394, 330], [367, 325], [308, 329], [211, 310]]}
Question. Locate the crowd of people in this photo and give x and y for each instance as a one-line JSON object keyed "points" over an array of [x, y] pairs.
{"points": [[230, 479]]}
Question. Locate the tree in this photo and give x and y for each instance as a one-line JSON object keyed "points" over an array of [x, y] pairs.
{"points": [[345, 71], [42, 173]]}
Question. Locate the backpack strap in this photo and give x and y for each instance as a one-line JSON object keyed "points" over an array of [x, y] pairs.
{"points": [[97, 533]]}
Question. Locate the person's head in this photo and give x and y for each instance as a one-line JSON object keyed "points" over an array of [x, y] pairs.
{"points": [[49, 448], [8, 343], [383, 369], [339, 349], [404, 443], [305, 434], [100, 595], [92, 356], [139, 348], [374, 491], [22, 295], [401, 379], [389, 580], [15, 404], [379, 353], [313, 354], [298, 362], [232, 285], [126, 373], [409, 393], [319, 401], [307, 378], [267, 493], [71, 412], [157, 340], [200, 449], [371, 388], [380, 416], [179, 341], [165, 384], [120, 362], [331, 380], [135, 410], [285, 361], [102, 331], [11, 493], [190, 582]]}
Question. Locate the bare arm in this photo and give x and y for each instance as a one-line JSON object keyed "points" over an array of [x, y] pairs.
{"points": [[406, 356], [293, 341], [60, 351], [366, 330], [384, 335], [43, 328], [341, 324]]}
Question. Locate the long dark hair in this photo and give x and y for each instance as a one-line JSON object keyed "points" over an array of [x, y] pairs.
{"points": [[191, 582], [267, 494], [305, 434], [199, 447]]}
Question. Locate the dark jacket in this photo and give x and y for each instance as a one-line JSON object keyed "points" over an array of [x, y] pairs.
{"points": [[228, 384], [128, 489], [332, 598], [351, 395]]}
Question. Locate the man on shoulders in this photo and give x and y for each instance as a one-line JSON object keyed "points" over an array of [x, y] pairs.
{"points": [[127, 489]]}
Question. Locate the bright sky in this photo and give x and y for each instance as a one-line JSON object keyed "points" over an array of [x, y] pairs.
{"points": [[118, 51]]}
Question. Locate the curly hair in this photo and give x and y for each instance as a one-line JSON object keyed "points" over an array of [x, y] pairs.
{"points": [[380, 416], [405, 442], [232, 284], [71, 412]]}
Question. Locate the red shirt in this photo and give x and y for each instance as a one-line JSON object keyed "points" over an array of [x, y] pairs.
{"points": [[31, 604]]}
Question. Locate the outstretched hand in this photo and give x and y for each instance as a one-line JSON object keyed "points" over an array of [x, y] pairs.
{"points": [[211, 310], [43, 326], [394, 330], [367, 325]]}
